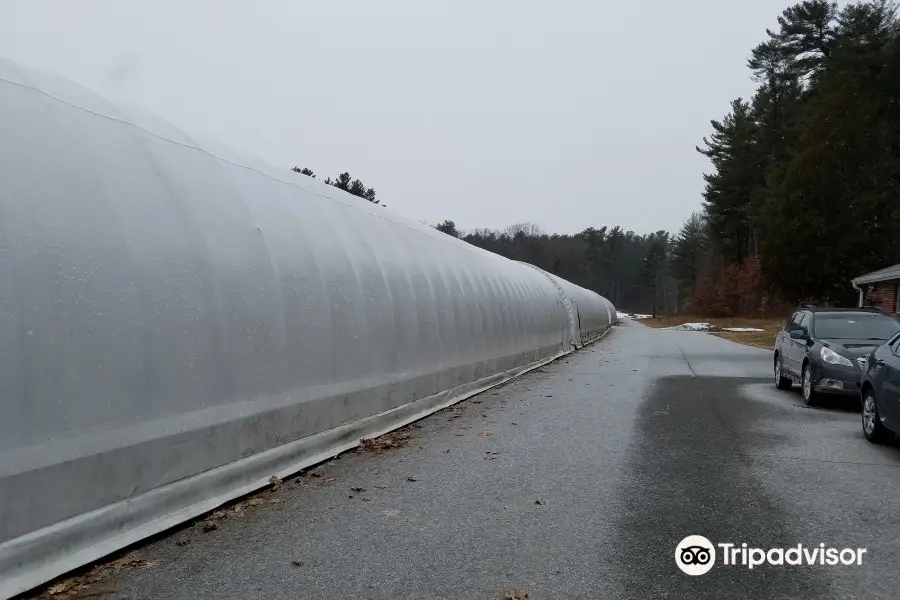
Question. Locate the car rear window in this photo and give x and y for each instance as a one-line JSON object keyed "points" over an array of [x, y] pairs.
{"points": [[865, 326]]}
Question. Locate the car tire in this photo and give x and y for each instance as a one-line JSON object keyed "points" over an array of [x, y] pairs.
{"points": [[781, 382], [873, 429], [810, 396]]}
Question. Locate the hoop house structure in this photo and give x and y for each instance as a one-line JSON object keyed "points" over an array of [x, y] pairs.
{"points": [[178, 323]]}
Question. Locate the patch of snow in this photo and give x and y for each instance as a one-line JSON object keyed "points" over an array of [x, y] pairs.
{"points": [[692, 327], [741, 329], [637, 316], [621, 315]]}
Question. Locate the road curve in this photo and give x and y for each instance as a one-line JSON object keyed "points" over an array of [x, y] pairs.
{"points": [[576, 481]]}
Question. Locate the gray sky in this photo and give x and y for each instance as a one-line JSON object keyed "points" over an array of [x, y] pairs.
{"points": [[567, 114]]}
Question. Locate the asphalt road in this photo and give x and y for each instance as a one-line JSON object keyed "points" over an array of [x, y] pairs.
{"points": [[629, 446]]}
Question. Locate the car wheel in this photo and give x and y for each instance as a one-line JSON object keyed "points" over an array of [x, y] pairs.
{"points": [[781, 382], [810, 397], [873, 429]]}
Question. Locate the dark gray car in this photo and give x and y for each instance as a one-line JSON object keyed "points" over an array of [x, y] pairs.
{"points": [[881, 392], [824, 349]]}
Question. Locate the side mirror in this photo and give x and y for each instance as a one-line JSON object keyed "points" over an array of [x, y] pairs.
{"points": [[798, 334]]}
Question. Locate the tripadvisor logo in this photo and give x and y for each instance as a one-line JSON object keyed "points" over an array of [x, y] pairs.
{"points": [[696, 555]]}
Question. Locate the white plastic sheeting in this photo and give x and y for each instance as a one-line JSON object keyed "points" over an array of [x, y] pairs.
{"points": [[594, 314], [179, 323], [589, 313]]}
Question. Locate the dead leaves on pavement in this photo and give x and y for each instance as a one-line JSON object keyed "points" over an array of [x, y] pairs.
{"points": [[84, 586], [238, 509], [388, 441]]}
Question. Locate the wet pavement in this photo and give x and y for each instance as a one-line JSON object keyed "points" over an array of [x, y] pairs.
{"points": [[574, 481]]}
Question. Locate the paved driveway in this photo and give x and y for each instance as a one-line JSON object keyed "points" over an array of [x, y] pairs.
{"points": [[576, 481]]}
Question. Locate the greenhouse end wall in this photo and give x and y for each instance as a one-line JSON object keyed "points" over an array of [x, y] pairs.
{"points": [[179, 323]]}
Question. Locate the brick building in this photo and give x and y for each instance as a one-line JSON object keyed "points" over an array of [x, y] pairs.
{"points": [[880, 289]]}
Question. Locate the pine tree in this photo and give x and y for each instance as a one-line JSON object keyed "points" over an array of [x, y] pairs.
{"points": [[835, 211], [689, 249], [304, 171], [732, 193], [448, 227]]}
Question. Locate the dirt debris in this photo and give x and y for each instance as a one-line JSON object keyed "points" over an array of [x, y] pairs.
{"points": [[514, 594], [238, 510], [388, 441], [84, 585]]}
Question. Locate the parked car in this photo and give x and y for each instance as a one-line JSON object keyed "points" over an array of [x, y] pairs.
{"points": [[880, 392], [825, 349]]}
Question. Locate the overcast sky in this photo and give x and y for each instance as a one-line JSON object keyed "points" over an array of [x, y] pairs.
{"points": [[566, 114]]}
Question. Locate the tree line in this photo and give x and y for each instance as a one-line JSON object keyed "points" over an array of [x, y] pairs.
{"points": [[628, 268], [802, 195]]}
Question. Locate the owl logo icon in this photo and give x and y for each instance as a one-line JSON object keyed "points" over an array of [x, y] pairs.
{"points": [[695, 555]]}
